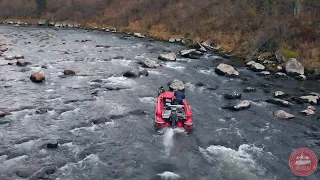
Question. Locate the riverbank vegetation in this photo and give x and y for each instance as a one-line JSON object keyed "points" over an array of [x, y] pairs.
{"points": [[242, 28]]}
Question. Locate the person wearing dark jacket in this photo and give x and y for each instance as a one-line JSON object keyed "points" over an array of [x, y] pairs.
{"points": [[161, 90], [180, 96]]}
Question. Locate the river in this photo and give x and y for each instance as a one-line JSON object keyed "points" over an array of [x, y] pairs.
{"points": [[225, 145]]}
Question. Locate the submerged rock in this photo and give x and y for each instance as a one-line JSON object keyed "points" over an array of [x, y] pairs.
{"points": [[9, 57], [279, 102], [279, 94], [101, 120], [168, 57], [37, 77], [294, 67], [226, 70], [242, 105], [2, 114], [283, 115], [249, 89], [232, 96]]}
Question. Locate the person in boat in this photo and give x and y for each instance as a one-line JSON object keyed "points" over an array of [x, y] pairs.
{"points": [[161, 90], [179, 96]]}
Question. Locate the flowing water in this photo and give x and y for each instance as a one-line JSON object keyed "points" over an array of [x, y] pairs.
{"points": [[225, 145]]}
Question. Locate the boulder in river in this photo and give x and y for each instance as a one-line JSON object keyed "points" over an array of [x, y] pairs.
{"points": [[257, 67], [101, 120], [19, 56], [52, 145], [69, 72], [294, 67], [37, 77], [144, 72], [150, 64], [279, 102], [172, 40], [190, 53], [9, 57], [131, 74], [168, 57], [2, 114], [241, 105], [232, 96], [22, 63], [176, 85], [281, 114], [309, 111], [312, 99], [139, 35], [226, 70], [3, 49]]}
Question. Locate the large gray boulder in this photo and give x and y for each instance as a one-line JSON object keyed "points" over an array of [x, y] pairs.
{"points": [[168, 57], [150, 64], [241, 105], [294, 67], [281, 114], [257, 67], [176, 85], [226, 70]]}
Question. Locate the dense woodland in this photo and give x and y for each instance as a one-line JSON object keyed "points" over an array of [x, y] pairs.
{"points": [[243, 26]]}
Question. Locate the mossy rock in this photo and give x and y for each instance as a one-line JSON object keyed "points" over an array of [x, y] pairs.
{"points": [[265, 56], [288, 54]]}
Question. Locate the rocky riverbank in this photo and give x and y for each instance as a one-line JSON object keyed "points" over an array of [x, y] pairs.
{"points": [[280, 64]]}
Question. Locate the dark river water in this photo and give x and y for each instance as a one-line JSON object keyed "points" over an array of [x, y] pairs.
{"points": [[225, 145]]}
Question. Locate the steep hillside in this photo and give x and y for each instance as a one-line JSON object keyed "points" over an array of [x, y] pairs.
{"points": [[245, 27]]}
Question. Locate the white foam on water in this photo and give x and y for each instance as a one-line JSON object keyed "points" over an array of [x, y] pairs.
{"points": [[168, 140], [149, 100], [238, 162], [174, 65], [267, 138], [120, 81], [207, 72], [266, 127], [50, 90], [77, 131], [167, 175], [124, 62], [92, 159], [221, 120], [260, 103], [155, 72]]}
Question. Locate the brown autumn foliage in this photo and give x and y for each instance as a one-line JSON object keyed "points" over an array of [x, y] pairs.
{"points": [[246, 26]]}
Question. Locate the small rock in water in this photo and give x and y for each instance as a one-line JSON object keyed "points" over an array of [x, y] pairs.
{"points": [[19, 56], [9, 57], [242, 105], [249, 89], [312, 99], [144, 73], [279, 94], [232, 96], [176, 85], [312, 107], [37, 77], [22, 63], [308, 112], [279, 102], [280, 74], [23, 173], [41, 110], [2, 114], [172, 40], [264, 73], [69, 72], [131, 74], [199, 84], [301, 77], [53, 145], [250, 63], [101, 120], [283, 115]]}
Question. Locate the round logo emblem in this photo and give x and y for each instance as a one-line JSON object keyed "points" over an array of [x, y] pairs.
{"points": [[303, 162]]}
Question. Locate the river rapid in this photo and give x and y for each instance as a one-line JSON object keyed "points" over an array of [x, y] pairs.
{"points": [[225, 145]]}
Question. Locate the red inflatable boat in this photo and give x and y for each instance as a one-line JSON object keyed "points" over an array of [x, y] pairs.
{"points": [[170, 115]]}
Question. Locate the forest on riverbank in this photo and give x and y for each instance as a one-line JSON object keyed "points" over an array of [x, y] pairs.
{"points": [[242, 28]]}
